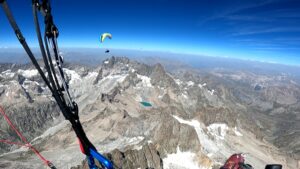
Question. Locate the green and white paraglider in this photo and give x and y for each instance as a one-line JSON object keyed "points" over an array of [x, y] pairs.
{"points": [[103, 37]]}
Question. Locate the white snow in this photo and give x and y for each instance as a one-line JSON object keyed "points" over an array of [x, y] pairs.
{"points": [[91, 75], [75, 77], [190, 83], [107, 83], [136, 147], [209, 146], [135, 139], [178, 81], [118, 78], [146, 81], [202, 85], [218, 130], [132, 70], [121, 143], [184, 95], [238, 133], [26, 84], [106, 62], [182, 160], [138, 98], [8, 73], [193, 123], [211, 92], [28, 73]]}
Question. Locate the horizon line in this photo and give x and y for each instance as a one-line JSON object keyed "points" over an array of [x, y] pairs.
{"points": [[166, 51]]}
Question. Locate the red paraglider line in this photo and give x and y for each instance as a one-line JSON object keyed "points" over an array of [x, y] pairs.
{"points": [[13, 143], [27, 144]]}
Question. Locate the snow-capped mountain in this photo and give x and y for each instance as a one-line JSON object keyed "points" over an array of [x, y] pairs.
{"points": [[144, 116]]}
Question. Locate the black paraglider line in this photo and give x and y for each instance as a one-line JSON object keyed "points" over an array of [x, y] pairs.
{"points": [[69, 110]]}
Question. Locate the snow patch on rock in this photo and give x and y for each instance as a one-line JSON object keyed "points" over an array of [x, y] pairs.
{"points": [[237, 132], [218, 130], [178, 81], [181, 160], [121, 143], [28, 73], [91, 75], [184, 95], [190, 83], [118, 78], [209, 146], [211, 92], [26, 84], [75, 77], [8, 73], [134, 140], [146, 81], [202, 85]]}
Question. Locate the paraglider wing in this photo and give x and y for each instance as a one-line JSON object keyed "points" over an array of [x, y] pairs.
{"points": [[104, 36]]}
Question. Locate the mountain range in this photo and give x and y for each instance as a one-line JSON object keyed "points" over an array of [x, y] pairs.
{"points": [[195, 116]]}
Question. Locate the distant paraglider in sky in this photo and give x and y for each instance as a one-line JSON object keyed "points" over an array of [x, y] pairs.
{"points": [[103, 37]]}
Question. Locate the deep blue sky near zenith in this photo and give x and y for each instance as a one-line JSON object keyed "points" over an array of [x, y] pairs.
{"points": [[264, 30]]}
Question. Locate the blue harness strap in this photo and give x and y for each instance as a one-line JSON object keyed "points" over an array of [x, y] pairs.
{"points": [[102, 160]]}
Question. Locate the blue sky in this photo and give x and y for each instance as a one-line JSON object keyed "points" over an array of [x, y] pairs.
{"points": [[263, 30]]}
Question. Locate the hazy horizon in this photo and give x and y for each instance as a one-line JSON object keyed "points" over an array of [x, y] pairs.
{"points": [[136, 53], [252, 30]]}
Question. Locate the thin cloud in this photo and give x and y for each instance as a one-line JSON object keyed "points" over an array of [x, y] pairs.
{"points": [[271, 30], [275, 48], [231, 10]]}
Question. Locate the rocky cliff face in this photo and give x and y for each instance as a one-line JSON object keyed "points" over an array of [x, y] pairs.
{"points": [[27, 102], [198, 118]]}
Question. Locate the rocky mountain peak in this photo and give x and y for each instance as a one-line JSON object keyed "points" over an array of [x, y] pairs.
{"points": [[159, 77], [158, 69], [99, 76], [112, 61]]}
